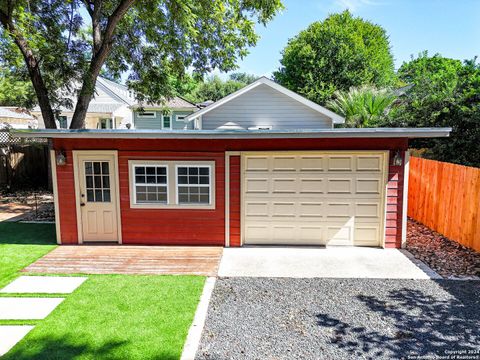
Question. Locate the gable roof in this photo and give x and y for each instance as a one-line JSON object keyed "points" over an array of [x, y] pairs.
{"points": [[336, 119]]}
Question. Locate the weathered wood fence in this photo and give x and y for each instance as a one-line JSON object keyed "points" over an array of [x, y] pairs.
{"points": [[446, 198], [23, 164]]}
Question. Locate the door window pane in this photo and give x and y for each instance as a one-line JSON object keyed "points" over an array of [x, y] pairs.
{"points": [[97, 181]]}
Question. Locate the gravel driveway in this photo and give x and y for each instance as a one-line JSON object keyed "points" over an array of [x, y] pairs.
{"points": [[265, 318]]}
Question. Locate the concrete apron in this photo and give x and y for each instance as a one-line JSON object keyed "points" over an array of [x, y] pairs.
{"points": [[334, 262]]}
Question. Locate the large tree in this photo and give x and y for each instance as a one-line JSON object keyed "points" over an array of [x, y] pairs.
{"points": [[335, 54], [444, 92], [65, 44]]}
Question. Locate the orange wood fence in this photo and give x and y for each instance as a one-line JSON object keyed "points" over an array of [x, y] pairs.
{"points": [[446, 198]]}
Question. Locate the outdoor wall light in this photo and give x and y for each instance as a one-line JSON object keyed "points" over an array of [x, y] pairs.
{"points": [[397, 159], [61, 157]]}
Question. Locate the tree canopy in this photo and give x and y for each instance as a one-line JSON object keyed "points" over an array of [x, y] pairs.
{"points": [[214, 88], [336, 54], [444, 92], [15, 90], [65, 44]]}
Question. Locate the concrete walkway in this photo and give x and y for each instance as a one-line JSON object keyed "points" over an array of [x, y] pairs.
{"points": [[30, 308], [295, 262]]}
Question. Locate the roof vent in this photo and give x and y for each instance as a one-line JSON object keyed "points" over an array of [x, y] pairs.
{"points": [[260, 127]]}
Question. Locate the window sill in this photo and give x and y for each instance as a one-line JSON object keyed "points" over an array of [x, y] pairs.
{"points": [[173, 206]]}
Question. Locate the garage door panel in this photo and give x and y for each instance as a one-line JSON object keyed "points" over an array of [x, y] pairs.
{"points": [[314, 198], [260, 185], [284, 185], [370, 163], [284, 163], [257, 163], [338, 235], [312, 185], [313, 163], [365, 235], [340, 163], [368, 186], [339, 186], [284, 209]]}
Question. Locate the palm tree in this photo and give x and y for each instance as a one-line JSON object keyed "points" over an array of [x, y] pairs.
{"points": [[364, 106]]}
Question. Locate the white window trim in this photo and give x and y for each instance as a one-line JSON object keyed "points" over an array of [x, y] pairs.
{"points": [[180, 118], [135, 183], [170, 127], [151, 114], [177, 185], [172, 195]]}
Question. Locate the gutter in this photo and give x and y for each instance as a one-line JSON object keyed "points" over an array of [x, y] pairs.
{"points": [[236, 134]]}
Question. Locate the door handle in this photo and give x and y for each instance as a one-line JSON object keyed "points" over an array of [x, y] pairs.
{"points": [[82, 204]]}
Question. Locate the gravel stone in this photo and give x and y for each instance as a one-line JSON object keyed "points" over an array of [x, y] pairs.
{"points": [[272, 319]]}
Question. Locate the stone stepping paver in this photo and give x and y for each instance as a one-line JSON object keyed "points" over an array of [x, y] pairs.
{"points": [[27, 308], [44, 284], [10, 335]]}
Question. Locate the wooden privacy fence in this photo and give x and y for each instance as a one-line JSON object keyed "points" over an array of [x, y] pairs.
{"points": [[446, 198]]}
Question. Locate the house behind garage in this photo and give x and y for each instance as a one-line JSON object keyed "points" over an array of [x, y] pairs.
{"points": [[261, 166]]}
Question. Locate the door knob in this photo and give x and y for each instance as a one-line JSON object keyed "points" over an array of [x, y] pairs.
{"points": [[82, 204]]}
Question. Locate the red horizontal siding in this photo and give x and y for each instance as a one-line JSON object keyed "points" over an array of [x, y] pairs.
{"points": [[66, 201], [394, 217], [175, 226], [206, 227], [235, 178]]}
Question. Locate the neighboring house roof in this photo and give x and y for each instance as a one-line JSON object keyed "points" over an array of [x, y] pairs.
{"points": [[15, 113], [174, 103], [336, 119], [241, 134]]}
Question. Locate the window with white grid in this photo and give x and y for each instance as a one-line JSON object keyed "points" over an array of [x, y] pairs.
{"points": [[151, 184], [193, 184]]}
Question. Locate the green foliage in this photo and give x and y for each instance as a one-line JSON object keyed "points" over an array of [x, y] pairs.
{"points": [[445, 92], [365, 106], [15, 90], [339, 53], [153, 41], [214, 88]]}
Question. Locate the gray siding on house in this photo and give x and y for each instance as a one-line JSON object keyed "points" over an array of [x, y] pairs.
{"points": [[265, 106], [156, 122]]}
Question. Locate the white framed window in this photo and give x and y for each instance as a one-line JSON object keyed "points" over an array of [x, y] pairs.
{"points": [[172, 184], [193, 184], [180, 118], [150, 184], [147, 115]]}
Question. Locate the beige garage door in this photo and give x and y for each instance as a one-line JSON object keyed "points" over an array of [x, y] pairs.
{"points": [[314, 198]]}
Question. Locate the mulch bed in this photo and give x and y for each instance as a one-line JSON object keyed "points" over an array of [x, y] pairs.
{"points": [[447, 257], [39, 201]]}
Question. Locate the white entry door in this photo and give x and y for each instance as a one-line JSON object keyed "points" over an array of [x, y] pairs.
{"points": [[314, 198], [97, 196]]}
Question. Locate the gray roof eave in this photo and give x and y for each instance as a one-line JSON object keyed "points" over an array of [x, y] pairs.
{"points": [[238, 134]]}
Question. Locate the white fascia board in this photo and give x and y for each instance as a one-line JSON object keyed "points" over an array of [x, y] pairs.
{"points": [[336, 119], [236, 134]]}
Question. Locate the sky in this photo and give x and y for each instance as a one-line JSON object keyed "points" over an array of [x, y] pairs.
{"points": [[448, 27]]}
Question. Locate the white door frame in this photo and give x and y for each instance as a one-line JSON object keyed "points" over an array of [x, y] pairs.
{"points": [[76, 173], [385, 153]]}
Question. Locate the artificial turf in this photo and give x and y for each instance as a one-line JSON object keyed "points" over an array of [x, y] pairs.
{"points": [[117, 317], [20, 245]]}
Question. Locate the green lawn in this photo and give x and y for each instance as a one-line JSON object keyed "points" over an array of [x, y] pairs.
{"points": [[109, 316], [117, 317], [22, 244]]}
